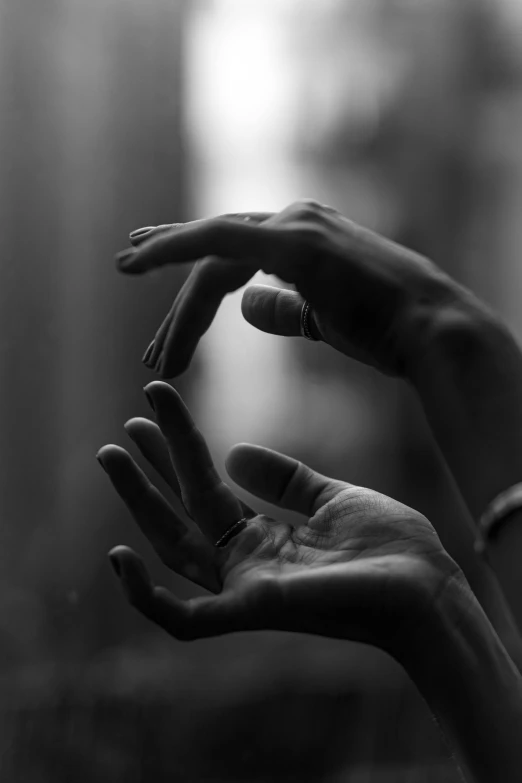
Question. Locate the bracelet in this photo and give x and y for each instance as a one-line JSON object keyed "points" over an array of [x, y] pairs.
{"points": [[495, 514]]}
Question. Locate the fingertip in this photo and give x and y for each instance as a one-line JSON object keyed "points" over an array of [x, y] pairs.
{"points": [[125, 553], [165, 595], [139, 233], [238, 450], [166, 373], [117, 556], [116, 462], [165, 400], [153, 385], [115, 563], [137, 426], [148, 352], [107, 452], [148, 232], [252, 295], [169, 367], [158, 391], [136, 421], [272, 309], [125, 258], [239, 458], [132, 572], [118, 550]]}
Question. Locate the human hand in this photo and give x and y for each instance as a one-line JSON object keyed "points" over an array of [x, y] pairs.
{"points": [[360, 565], [371, 299]]}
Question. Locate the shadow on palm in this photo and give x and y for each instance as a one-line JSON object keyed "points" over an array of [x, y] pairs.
{"points": [[361, 565]]}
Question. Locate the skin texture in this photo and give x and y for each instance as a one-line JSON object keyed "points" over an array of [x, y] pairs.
{"points": [[360, 566], [375, 301], [364, 289]]}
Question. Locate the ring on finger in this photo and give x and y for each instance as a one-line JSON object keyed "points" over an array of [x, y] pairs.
{"points": [[306, 312], [232, 531]]}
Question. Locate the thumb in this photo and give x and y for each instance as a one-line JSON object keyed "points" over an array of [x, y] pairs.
{"points": [[280, 480], [273, 310]]}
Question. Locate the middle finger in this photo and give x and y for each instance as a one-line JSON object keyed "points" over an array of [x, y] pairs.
{"points": [[210, 502], [151, 442]]}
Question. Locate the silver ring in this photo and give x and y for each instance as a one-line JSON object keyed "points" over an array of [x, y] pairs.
{"points": [[232, 531], [305, 322]]}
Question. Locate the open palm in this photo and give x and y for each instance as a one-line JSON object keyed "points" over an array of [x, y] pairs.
{"points": [[360, 566]]}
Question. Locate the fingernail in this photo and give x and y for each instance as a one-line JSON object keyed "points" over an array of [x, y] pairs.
{"points": [[149, 399], [146, 356], [140, 231], [101, 463], [115, 563], [124, 257], [158, 366], [165, 372], [129, 430]]}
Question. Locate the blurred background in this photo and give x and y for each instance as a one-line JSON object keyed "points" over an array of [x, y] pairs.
{"points": [[405, 115]]}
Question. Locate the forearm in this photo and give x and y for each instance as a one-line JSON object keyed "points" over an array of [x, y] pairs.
{"points": [[467, 370], [471, 685]]}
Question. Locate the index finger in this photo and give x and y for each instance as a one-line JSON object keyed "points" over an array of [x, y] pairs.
{"points": [[193, 312]]}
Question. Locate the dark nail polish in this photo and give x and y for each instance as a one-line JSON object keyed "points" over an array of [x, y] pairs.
{"points": [[124, 257], [158, 364], [149, 400], [101, 463], [146, 355], [140, 231], [115, 563], [164, 371]]}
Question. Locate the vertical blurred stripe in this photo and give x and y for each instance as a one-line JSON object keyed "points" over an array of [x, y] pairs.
{"points": [[91, 145], [241, 78]]}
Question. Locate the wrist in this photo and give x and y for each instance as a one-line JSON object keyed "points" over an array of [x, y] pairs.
{"points": [[444, 325], [468, 680], [451, 608], [466, 367]]}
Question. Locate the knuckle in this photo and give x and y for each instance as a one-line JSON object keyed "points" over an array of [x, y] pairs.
{"points": [[206, 278], [214, 278], [211, 232], [306, 210], [309, 238], [206, 270], [216, 227]]}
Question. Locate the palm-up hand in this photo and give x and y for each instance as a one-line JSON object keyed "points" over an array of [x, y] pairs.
{"points": [[360, 566]]}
